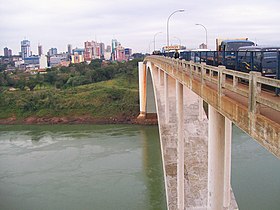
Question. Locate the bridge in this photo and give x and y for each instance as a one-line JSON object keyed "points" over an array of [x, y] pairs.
{"points": [[196, 105]]}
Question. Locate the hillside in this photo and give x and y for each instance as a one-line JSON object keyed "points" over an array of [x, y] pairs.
{"points": [[114, 100]]}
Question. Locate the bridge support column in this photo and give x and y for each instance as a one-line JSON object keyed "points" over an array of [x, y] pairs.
{"points": [[227, 186], [200, 108], [216, 157], [166, 97], [142, 71], [180, 147], [159, 73]]}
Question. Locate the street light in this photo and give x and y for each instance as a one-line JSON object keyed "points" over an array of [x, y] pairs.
{"points": [[155, 39], [197, 24], [180, 10]]}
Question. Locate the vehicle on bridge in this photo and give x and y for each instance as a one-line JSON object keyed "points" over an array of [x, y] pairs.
{"points": [[237, 54], [227, 49], [264, 59]]}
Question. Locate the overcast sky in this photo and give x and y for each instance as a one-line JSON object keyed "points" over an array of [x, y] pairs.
{"points": [[56, 23]]}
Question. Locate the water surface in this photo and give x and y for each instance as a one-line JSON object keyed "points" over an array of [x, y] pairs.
{"points": [[80, 167], [255, 174]]}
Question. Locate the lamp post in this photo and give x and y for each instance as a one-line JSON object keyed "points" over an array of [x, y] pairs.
{"points": [[197, 24], [180, 10], [155, 39]]}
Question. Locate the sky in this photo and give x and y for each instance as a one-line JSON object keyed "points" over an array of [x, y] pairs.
{"points": [[135, 24]]}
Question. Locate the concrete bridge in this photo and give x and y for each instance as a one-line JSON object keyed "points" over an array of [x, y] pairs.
{"points": [[196, 105]]}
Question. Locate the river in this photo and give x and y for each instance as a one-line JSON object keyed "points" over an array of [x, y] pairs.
{"points": [[80, 167], [104, 167]]}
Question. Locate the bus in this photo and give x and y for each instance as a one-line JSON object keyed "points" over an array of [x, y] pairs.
{"points": [[264, 59]]}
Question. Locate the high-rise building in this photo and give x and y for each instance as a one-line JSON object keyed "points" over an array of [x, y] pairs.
{"points": [[93, 50], [114, 45], [52, 51], [108, 48], [102, 49], [10, 53], [40, 50], [89, 50], [119, 53], [25, 49], [127, 53], [69, 49], [97, 51], [6, 52]]}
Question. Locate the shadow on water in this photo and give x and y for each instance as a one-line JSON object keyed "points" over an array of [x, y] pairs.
{"points": [[152, 162]]}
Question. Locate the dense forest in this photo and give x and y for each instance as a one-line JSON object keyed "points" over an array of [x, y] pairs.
{"points": [[95, 90]]}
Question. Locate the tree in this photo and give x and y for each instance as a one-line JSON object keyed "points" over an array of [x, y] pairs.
{"points": [[20, 83], [96, 63], [50, 77], [31, 83], [3, 67]]}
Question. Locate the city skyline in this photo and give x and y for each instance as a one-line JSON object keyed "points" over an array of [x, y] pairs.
{"points": [[134, 24]]}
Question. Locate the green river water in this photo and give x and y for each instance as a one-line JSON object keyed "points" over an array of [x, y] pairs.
{"points": [[111, 167]]}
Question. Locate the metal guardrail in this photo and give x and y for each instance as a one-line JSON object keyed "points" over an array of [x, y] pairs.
{"points": [[237, 95]]}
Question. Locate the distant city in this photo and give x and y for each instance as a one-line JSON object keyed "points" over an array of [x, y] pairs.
{"points": [[27, 60]]}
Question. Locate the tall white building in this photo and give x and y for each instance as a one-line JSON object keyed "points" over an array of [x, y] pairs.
{"points": [[25, 49]]}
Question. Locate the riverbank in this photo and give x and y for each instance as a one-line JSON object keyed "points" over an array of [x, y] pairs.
{"points": [[78, 120]]}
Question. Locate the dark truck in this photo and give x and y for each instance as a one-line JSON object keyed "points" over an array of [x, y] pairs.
{"points": [[264, 59], [227, 50]]}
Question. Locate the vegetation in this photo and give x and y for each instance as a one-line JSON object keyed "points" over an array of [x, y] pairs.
{"points": [[95, 90]]}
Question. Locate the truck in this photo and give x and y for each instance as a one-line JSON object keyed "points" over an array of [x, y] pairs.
{"points": [[232, 44], [227, 49]]}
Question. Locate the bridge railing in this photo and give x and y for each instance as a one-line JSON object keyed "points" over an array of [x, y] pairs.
{"points": [[244, 84]]}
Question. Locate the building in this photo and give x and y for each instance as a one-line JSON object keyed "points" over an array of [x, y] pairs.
{"points": [[52, 51], [93, 50], [108, 53], [58, 59], [114, 45], [76, 58], [102, 49], [25, 49], [35, 62], [78, 51], [89, 50], [107, 56], [203, 46], [10, 53], [69, 49], [127, 53], [119, 54], [40, 50], [108, 49], [97, 51], [7, 52]]}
